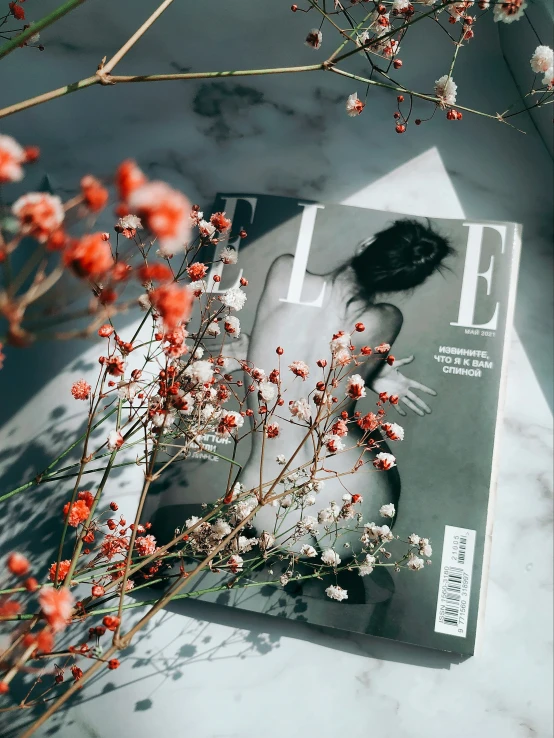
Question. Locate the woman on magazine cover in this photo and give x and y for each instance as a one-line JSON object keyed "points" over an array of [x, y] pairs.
{"points": [[397, 259]]}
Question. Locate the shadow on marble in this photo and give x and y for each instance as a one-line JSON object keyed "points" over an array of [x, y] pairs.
{"points": [[245, 635], [275, 628]]}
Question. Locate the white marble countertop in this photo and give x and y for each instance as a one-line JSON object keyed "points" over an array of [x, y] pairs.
{"points": [[216, 673]]}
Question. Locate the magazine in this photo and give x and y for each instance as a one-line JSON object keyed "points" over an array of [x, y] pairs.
{"points": [[444, 294]]}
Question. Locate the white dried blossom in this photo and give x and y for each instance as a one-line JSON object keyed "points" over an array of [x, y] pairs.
{"points": [[330, 557], [281, 459], [400, 5], [163, 419], [347, 512], [229, 421], [414, 539], [209, 412], [232, 325], [425, 548], [367, 566], [324, 399], [415, 563], [334, 443], [213, 329], [191, 521], [374, 532], [235, 562], [198, 288], [198, 352], [128, 390], [508, 12], [144, 301], [229, 255], [206, 228], [328, 515], [284, 579], [354, 105], [355, 387], [542, 59], [246, 544], [267, 390], [301, 409], [188, 408], [314, 38], [129, 223], [384, 461], [445, 90], [305, 526], [115, 440], [336, 593], [308, 551], [379, 23], [309, 500], [385, 533], [387, 511], [340, 341], [394, 431], [234, 298], [221, 528], [458, 11], [242, 510], [387, 47], [199, 371]]}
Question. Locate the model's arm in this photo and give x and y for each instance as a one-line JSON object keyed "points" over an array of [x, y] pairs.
{"points": [[390, 380], [386, 320]]}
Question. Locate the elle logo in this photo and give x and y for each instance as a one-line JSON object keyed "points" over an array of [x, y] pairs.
{"points": [[472, 275], [470, 283]]}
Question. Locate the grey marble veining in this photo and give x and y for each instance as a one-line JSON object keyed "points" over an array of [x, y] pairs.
{"points": [[211, 672], [286, 134]]}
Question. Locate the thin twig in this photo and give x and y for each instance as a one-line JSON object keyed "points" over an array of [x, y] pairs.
{"points": [[107, 68]]}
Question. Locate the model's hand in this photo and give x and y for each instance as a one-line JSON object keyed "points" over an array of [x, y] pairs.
{"points": [[393, 382]]}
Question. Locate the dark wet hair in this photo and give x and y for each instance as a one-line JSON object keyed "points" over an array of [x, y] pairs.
{"points": [[398, 258]]}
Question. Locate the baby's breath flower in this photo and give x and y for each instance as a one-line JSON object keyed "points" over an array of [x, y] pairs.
{"points": [[445, 90], [330, 557], [336, 593], [234, 298], [387, 511]]}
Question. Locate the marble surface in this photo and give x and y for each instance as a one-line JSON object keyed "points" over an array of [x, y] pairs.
{"points": [[215, 673], [254, 665], [287, 134]]}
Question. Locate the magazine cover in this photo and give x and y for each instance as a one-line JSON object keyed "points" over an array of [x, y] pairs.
{"points": [[441, 293]]}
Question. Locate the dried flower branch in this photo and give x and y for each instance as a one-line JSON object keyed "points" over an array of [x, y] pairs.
{"points": [[158, 394], [376, 35]]}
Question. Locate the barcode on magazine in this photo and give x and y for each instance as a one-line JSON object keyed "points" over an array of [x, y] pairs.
{"points": [[455, 582]]}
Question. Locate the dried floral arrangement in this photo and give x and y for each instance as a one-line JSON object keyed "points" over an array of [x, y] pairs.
{"points": [[363, 29], [159, 390], [156, 394]]}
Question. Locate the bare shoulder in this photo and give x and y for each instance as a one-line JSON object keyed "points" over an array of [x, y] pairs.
{"points": [[281, 265], [278, 273], [276, 281], [383, 322]]}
